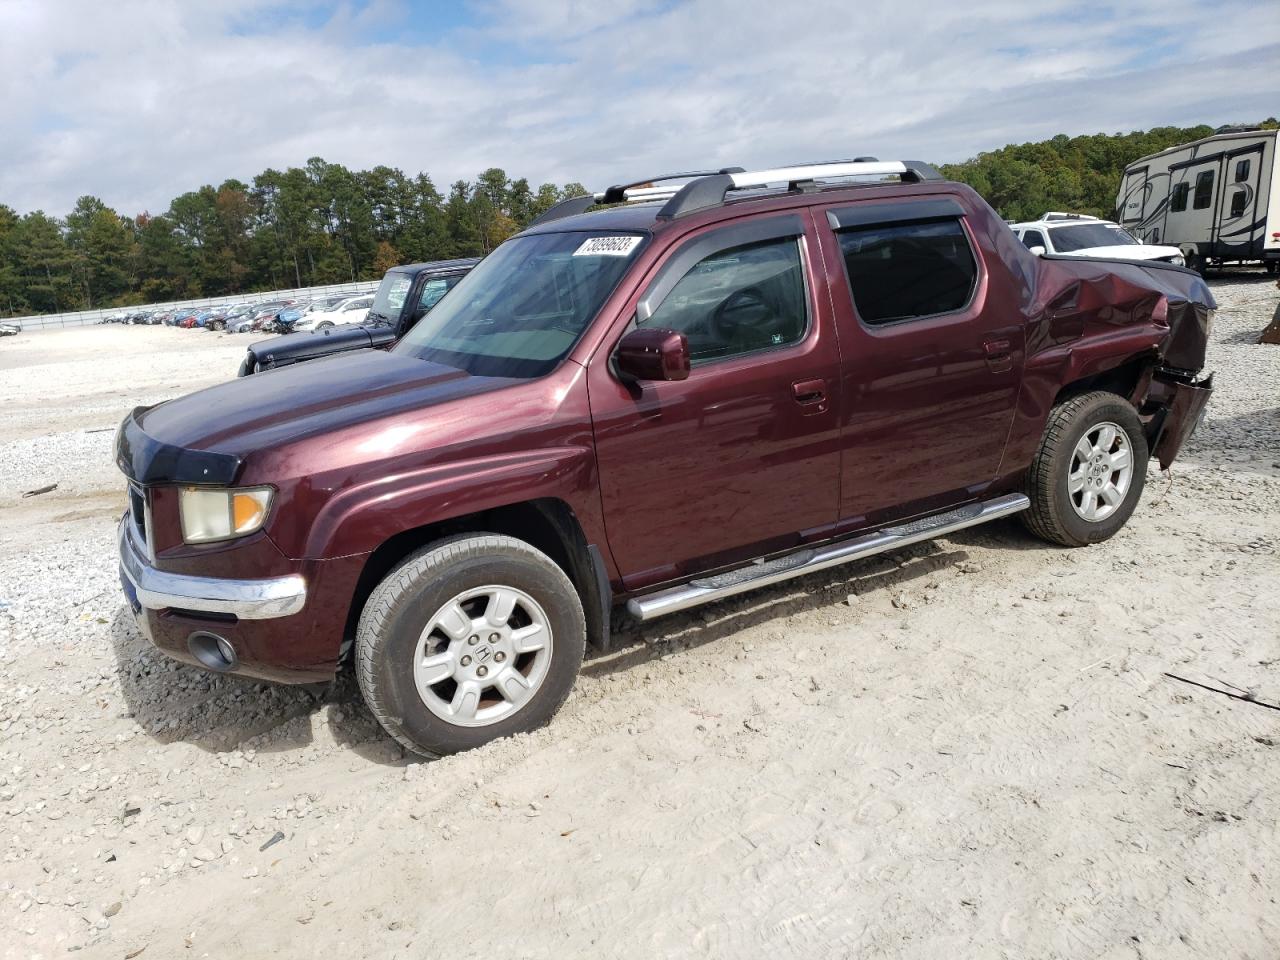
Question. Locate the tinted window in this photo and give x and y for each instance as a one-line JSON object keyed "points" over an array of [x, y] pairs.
{"points": [[1204, 190], [1179, 201], [738, 301], [1237, 203], [436, 288], [1242, 170], [1033, 238], [524, 306], [899, 271]]}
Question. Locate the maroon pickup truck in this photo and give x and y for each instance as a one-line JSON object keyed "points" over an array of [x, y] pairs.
{"points": [[667, 394]]}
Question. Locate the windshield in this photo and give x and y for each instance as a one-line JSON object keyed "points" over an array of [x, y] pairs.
{"points": [[389, 300], [524, 306], [1081, 236]]}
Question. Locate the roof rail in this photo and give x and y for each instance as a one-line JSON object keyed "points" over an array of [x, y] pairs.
{"points": [[710, 191], [622, 192], [1057, 215], [708, 188]]}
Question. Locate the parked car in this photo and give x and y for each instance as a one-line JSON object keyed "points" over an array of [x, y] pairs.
{"points": [[228, 316], [9, 329], [662, 404], [405, 295], [349, 310], [291, 315], [1078, 235]]}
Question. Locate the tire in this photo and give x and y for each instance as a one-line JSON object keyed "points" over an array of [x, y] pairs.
{"points": [[400, 648], [1058, 514]]}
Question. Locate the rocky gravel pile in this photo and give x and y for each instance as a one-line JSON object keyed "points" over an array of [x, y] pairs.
{"points": [[969, 748]]}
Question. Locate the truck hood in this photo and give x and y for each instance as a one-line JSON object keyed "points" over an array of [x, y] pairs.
{"points": [[1127, 251], [311, 344], [204, 437]]}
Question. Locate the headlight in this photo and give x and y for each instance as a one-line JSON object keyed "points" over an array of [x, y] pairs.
{"points": [[1178, 260], [222, 514]]}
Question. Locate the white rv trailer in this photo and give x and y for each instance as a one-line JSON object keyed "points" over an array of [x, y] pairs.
{"points": [[1216, 199]]}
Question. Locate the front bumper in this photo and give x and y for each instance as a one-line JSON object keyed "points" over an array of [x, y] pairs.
{"points": [[242, 599], [1184, 411]]}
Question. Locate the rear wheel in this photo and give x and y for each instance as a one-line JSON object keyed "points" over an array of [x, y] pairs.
{"points": [[1087, 477], [474, 638]]}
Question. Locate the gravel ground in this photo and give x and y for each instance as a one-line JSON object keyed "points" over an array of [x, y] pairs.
{"points": [[968, 748]]}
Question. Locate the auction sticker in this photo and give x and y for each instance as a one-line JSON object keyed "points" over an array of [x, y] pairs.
{"points": [[607, 247]]}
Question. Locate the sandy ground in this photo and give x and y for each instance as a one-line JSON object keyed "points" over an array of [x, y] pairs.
{"points": [[967, 749]]}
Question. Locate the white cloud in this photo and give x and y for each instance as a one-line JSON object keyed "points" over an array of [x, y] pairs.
{"points": [[139, 100]]}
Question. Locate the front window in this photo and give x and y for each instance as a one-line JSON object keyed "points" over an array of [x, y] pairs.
{"points": [[738, 301], [1082, 236], [521, 310], [389, 300]]}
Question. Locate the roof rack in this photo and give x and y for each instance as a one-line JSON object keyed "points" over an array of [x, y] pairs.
{"points": [[710, 191], [709, 188], [636, 191], [1056, 215]]}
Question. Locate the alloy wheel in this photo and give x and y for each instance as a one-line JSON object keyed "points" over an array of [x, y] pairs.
{"points": [[1101, 471], [483, 655]]}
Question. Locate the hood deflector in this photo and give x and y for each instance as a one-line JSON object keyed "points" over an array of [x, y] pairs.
{"points": [[146, 460]]}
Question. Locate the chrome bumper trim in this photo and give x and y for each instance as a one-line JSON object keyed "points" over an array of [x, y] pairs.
{"points": [[246, 599]]}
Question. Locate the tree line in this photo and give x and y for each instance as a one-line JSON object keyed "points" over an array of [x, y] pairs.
{"points": [[300, 227], [1075, 174], [322, 223]]}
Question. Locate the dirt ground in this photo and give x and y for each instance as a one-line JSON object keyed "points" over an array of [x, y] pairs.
{"points": [[971, 748]]}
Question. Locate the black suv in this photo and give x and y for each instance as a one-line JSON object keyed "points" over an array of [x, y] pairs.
{"points": [[404, 297]]}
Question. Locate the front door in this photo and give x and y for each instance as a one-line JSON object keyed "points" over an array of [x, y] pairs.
{"points": [[742, 457], [933, 346]]}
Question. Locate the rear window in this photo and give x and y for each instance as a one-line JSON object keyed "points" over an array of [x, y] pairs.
{"points": [[908, 270]]}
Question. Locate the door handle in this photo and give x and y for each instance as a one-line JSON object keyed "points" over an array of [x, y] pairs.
{"points": [[999, 354], [809, 392]]}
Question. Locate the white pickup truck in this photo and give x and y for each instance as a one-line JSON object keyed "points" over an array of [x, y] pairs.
{"points": [[1078, 235]]}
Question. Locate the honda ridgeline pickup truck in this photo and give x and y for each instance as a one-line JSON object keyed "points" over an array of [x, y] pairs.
{"points": [[699, 385], [405, 295]]}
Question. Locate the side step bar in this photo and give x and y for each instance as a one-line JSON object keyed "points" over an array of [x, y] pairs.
{"points": [[811, 559]]}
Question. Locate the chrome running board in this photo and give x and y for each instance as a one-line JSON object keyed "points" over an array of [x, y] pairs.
{"points": [[810, 559]]}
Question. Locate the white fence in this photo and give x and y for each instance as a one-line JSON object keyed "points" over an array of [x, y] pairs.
{"points": [[82, 317]]}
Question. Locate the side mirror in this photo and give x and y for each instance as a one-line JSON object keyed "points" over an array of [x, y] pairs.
{"points": [[1038, 250], [653, 354]]}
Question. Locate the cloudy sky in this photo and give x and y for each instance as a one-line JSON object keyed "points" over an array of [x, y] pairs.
{"points": [[136, 101]]}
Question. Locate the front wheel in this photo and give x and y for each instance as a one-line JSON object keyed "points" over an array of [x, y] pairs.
{"points": [[1087, 477], [474, 638]]}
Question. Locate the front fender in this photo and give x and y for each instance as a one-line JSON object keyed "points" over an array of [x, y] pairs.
{"points": [[359, 518]]}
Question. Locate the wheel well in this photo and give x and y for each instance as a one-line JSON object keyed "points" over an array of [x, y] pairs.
{"points": [[548, 524], [1126, 380]]}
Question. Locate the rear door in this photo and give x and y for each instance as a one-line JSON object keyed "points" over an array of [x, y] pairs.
{"points": [[932, 346], [1193, 203], [742, 458], [1241, 220], [1133, 202]]}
